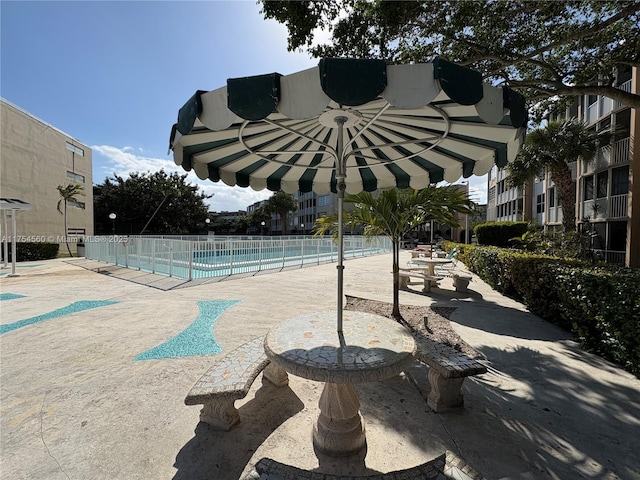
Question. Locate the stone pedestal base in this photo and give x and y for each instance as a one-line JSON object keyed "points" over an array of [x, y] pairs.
{"points": [[339, 430], [445, 392], [275, 375], [220, 414]]}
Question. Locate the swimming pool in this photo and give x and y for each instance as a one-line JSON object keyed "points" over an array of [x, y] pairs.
{"points": [[205, 257]]}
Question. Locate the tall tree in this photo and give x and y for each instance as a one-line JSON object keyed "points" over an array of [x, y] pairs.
{"points": [[394, 213], [68, 194], [554, 147], [542, 48], [259, 216], [282, 203], [150, 202]]}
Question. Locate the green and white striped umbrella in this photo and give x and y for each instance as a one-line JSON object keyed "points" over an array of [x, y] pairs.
{"points": [[350, 125]]}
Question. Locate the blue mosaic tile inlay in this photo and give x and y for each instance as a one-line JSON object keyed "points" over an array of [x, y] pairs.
{"points": [[197, 338], [10, 296], [75, 307]]}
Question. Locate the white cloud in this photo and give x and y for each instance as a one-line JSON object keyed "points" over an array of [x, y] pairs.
{"points": [[477, 187], [110, 160]]}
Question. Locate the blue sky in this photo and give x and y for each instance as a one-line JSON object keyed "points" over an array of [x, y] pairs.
{"points": [[114, 74]]}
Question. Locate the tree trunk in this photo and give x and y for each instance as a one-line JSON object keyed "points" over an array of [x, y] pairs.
{"points": [[561, 177], [66, 237], [283, 219], [396, 278]]}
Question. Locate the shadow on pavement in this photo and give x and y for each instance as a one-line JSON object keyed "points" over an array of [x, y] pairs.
{"points": [[219, 455], [568, 420]]}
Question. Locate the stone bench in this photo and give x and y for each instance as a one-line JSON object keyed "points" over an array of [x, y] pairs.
{"points": [[230, 379], [461, 282], [428, 280], [447, 371], [447, 466]]}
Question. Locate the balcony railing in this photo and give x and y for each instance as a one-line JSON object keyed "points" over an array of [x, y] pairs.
{"points": [[610, 256], [614, 207], [554, 215], [620, 151], [618, 205], [626, 87]]}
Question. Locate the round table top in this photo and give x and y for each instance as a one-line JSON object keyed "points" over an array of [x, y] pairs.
{"points": [[372, 347]]}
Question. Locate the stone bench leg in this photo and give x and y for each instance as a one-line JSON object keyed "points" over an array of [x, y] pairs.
{"points": [[445, 392], [276, 375], [461, 283], [220, 413], [427, 285], [404, 282]]}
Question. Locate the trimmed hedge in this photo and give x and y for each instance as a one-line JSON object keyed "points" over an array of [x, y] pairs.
{"points": [[600, 305], [498, 234], [29, 251]]}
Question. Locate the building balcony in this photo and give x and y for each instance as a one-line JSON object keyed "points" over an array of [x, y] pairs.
{"points": [[621, 151], [554, 215], [626, 87], [615, 206], [618, 153], [605, 105]]}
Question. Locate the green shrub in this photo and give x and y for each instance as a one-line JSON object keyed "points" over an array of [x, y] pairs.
{"points": [[604, 307], [498, 234], [30, 251], [600, 305]]}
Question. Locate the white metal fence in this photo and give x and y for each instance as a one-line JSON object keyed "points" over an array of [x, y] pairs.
{"points": [[195, 257]]}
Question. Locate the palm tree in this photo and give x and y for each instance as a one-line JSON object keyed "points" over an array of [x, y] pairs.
{"points": [[68, 194], [394, 213], [554, 147], [282, 203]]}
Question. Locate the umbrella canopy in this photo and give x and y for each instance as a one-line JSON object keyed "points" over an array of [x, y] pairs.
{"points": [[350, 125]]}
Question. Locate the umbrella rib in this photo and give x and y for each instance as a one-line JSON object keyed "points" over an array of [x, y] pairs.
{"points": [[263, 154], [439, 138], [366, 126]]}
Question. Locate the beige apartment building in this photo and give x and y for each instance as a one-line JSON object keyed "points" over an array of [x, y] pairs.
{"points": [[607, 189], [35, 158]]}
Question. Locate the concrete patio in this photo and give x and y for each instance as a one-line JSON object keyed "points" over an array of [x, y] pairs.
{"points": [[76, 404]]}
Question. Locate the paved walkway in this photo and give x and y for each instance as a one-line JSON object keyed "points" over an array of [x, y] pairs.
{"points": [[76, 404]]}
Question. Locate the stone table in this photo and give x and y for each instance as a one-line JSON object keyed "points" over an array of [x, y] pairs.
{"points": [[370, 348]]}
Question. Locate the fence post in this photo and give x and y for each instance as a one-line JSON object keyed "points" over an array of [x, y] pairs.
{"points": [[171, 258], [190, 251]]}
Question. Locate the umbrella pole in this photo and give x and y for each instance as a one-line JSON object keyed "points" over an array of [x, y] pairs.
{"points": [[341, 186]]}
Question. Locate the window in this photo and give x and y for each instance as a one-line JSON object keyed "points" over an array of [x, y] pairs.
{"points": [[75, 231], [603, 181], [551, 195], [75, 176], [620, 181], [618, 236], [587, 193], [324, 200], [77, 150], [540, 203]]}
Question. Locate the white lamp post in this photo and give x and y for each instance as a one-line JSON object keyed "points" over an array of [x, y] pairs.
{"points": [[113, 216]]}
